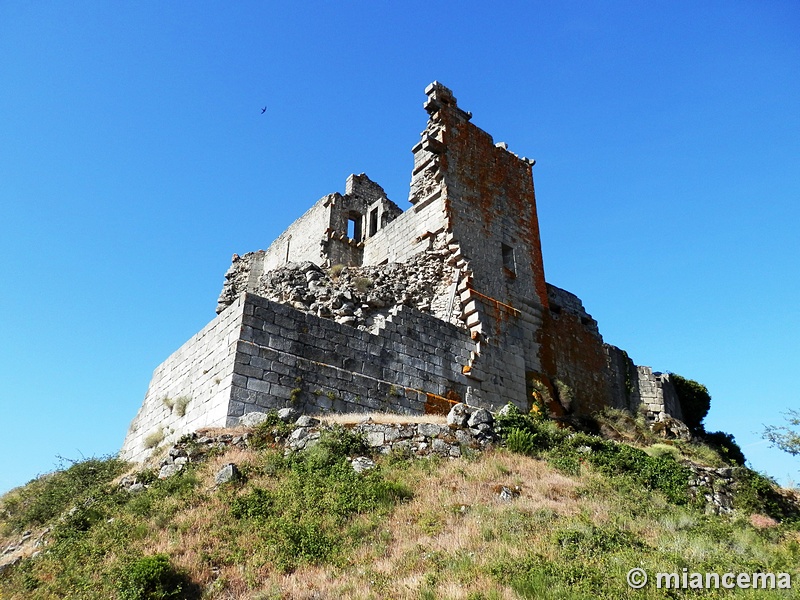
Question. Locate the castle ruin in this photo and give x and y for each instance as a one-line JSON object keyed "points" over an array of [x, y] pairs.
{"points": [[360, 306]]}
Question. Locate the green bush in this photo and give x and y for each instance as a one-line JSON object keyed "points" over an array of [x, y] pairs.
{"points": [[588, 539], [339, 442], [755, 493], [566, 452], [522, 441], [264, 434], [726, 445], [46, 498], [659, 450], [151, 578], [694, 399]]}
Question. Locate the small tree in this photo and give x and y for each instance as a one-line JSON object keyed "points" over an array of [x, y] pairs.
{"points": [[785, 437]]}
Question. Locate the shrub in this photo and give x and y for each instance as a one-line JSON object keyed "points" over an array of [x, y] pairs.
{"points": [[564, 393], [265, 433], [726, 445], [661, 450], [46, 498], [362, 284], [755, 493], [546, 433], [336, 270], [521, 441], [694, 399], [317, 493], [151, 578], [588, 539], [341, 442]]}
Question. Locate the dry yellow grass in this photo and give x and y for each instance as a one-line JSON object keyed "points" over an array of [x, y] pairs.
{"points": [[454, 513], [380, 417]]}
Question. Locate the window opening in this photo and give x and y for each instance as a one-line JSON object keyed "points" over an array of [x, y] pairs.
{"points": [[354, 227], [509, 264], [373, 222]]}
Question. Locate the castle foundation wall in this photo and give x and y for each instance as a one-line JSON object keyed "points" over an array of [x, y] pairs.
{"points": [[190, 389], [286, 357]]}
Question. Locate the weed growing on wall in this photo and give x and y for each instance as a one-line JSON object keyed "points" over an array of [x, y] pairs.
{"points": [[153, 439], [180, 405]]}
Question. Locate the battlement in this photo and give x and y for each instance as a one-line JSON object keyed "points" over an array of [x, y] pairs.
{"points": [[359, 305]]}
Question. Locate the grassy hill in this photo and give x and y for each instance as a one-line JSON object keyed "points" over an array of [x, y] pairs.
{"points": [[553, 514]]}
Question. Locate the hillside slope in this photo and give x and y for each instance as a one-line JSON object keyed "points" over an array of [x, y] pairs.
{"points": [[565, 516]]}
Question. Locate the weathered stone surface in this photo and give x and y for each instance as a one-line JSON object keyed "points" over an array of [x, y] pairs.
{"points": [[506, 494], [429, 429], [670, 428], [306, 421], [458, 415], [289, 414], [362, 463], [253, 419], [508, 409], [169, 470], [226, 474], [480, 417]]}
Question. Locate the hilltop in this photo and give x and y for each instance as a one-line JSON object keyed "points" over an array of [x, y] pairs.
{"points": [[370, 509]]}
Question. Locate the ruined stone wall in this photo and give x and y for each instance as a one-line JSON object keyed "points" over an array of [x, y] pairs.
{"points": [[657, 394], [302, 240], [258, 355], [199, 374], [491, 227], [624, 380], [287, 357], [574, 356], [445, 300], [410, 233]]}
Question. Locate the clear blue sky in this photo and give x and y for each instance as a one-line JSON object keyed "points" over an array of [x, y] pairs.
{"points": [[134, 161]]}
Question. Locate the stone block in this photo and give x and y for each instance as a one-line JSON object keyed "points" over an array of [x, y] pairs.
{"points": [[260, 386]]}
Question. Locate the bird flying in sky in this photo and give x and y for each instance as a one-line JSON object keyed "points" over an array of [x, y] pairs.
{"points": [[263, 110]]}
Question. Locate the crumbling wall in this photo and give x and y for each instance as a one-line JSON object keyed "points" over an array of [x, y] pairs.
{"points": [[321, 236], [491, 229], [657, 394], [363, 297], [415, 231], [624, 380], [288, 357], [302, 240], [574, 355], [445, 301], [258, 355]]}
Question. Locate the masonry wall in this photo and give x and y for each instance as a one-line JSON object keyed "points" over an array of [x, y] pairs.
{"points": [[657, 394], [302, 240], [286, 357], [573, 355], [405, 236], [624, 380], [200, 371], [490, 222]]}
